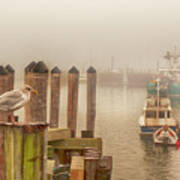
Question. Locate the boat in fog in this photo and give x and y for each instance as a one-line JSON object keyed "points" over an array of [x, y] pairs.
{"points": [[169, 75], [157, 112]]}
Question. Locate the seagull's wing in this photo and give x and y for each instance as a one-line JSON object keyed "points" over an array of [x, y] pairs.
{"points": [[11, 99]]}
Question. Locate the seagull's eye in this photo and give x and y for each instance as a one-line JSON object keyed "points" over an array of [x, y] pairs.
{"points": [[28, 88]]}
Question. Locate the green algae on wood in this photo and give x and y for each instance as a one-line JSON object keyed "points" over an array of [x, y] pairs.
{"points": [[9, 150], [18, 153], [29, 152], [2, 155]]}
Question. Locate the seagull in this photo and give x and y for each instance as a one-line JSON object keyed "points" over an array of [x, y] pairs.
{"points": [[15, 99]]}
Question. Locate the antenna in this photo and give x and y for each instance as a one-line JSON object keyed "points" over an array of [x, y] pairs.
{"points": [[112, 63]]}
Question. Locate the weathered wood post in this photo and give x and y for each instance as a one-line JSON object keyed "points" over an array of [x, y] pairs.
{"points": [[92, 157], [73, 84], [10, 71], [2, 156], [104, 169], [24, 151], [55, 95], [4, 86], [91, 98], [36, 109], [28, 71], [3, 118]]}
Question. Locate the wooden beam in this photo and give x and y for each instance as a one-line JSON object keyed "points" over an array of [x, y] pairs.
{"points": [[58, 134], [77, 144]]}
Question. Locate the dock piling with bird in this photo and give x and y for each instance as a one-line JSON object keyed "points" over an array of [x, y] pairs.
{"points": [[26, 147]]}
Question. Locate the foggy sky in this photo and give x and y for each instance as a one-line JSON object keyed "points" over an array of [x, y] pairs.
{"points": [[83, 32]]}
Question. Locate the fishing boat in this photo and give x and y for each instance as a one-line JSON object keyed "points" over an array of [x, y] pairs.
{"points": [[169, 75], [157, 112], [165, 136]]}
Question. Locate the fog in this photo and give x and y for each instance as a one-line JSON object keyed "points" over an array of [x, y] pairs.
{"points": [[136, 33]]}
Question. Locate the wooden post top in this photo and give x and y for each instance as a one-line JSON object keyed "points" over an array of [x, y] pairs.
{"points": [[27, 127], [3, 71], [55, 70], [91, 70], [38, 67], [9, 68], [73, 70], [30, 66]]}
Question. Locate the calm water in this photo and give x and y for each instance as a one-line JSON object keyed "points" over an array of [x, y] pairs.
{"points": [[118, 110]]}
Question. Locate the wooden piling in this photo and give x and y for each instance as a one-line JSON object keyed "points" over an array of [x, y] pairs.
{"points": [[36, 75], [92, 157], [104, 169], [55, 97], [91, 98], [10, 71], [73, 84], [24, 151], [3, 118], [2, 156], [4, 83]]}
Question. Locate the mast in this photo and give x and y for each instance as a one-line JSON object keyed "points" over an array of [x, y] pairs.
{"points": [[158, 97]]}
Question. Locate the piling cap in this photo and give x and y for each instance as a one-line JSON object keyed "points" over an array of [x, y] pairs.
{"points": [[91, 70], [73, 70], [9, 68], [30, 67], [3, 71], [55, 70], [40, 67]]}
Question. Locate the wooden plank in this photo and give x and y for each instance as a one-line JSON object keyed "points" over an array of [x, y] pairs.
{"points": [[77, 168], [29, 155], [43, 158], [9, 150], [77, 144], [58, 134], [37, 156], [18, 153], [2, 155]]}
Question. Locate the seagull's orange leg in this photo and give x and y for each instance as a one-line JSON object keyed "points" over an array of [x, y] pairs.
{"points": [[13, 120]]}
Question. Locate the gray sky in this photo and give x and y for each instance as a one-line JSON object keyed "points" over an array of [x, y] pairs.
{"points": [[67, 32]]}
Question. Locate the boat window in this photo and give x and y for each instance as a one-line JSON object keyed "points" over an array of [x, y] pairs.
{"points": [[168, 114], [161, 114], [150, 114]]}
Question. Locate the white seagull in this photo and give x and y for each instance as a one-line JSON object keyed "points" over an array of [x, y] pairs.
{"points": [[15, 99]]}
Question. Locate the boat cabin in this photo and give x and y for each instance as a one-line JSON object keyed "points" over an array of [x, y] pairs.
{"points": [[157, 111]]}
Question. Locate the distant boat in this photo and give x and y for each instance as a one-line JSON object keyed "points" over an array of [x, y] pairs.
{"points": [[170, 76]]}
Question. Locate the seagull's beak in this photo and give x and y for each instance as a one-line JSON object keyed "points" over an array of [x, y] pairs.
{"points": [[35, 91]]}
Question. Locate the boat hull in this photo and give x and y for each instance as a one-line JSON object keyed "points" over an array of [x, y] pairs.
{"points": [[162, 137], [149, 130]]}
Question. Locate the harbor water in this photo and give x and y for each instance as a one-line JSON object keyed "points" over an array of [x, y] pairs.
{"points": [[118, 110]]}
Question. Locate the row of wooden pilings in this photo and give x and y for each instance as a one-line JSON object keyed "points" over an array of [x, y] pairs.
{"points": [[36, 75], [17, 143]]}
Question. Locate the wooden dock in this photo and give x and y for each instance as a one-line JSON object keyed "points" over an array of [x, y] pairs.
{"points": [[32, 151]]}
